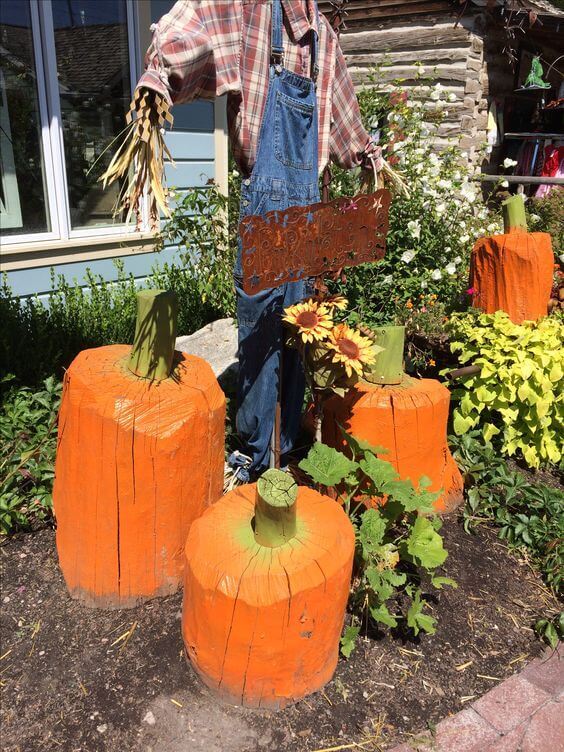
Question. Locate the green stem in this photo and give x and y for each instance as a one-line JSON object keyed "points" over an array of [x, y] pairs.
{"points": [[275, 508], [514, 217], [388, 366], [155, 335]]}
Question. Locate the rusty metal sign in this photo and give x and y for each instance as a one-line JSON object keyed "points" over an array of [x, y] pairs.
{"points": [[313, 240]]}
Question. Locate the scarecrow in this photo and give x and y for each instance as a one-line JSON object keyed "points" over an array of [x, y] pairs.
{"points": [[291, 108]]}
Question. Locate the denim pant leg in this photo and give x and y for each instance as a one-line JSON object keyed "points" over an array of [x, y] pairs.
{"points": [[260, 333]]}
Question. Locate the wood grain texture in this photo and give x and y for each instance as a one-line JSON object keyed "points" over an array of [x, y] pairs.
{"points": [[410, 421], [262, 625], [513, 273], [137, 462]]}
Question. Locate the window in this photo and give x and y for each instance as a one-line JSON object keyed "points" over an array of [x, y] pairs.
{"points": [[67, 68]]}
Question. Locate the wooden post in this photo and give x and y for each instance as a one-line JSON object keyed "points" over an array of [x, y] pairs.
{"points": [[155, 335], [514, 217], [388, 366], [275, 508]]}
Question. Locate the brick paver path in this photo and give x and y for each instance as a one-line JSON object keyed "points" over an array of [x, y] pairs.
{"points": [[525, 713]]}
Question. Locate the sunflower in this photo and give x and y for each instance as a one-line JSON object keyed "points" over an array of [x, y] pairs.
{"points": [[336, 301], [351, 349], [312, 320]]}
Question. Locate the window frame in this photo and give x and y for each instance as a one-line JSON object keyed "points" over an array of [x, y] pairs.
{"points": [[52, 138]]}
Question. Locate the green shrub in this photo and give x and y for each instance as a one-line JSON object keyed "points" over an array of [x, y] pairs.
{"points": [[28, 440], [396, 543], [432, 229], [517, 396], [38, 339], [528, 515]]}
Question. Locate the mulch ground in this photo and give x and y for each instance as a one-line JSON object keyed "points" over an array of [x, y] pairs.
{"points": [[74, 678]]}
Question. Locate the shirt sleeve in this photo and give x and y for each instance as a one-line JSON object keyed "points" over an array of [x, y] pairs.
{"points": [[350, 145], [194, 51]]}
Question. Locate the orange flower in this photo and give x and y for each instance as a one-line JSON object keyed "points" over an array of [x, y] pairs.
{"points": [[351, 349]]}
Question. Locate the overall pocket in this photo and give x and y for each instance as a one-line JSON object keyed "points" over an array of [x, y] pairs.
{"points": [[293, 139]]}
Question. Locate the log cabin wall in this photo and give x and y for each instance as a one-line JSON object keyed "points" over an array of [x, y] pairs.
{"points": [[400, 34]]}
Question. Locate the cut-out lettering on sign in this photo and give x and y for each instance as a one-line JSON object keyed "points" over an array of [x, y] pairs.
{"points": [[310, 241]]}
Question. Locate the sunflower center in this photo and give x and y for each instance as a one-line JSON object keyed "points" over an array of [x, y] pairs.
{"points": [[349, 348], [308, 319]]}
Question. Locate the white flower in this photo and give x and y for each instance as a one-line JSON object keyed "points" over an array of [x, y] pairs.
{"points": [[440, 209], [561, 257], [407, 256], [235, 173], [504, 184], [451, 96], [450, 268], [467, 192], [464, 238], [436, 274], [458, 260], [446, 184], [507, 163], [424, 284], [387, 280], [433, 159], [535, 218], [436, 93], [414, 228]]}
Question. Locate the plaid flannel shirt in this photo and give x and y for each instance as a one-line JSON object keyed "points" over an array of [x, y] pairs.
{"points": [[206, 48]]}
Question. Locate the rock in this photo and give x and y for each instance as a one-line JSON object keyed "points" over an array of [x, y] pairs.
{"points": [[216, 343], [149, 718]]}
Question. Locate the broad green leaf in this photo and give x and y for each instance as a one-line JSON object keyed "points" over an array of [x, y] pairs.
{"points": [[326, 465], [383, 616], [348, 640], [424, 545], [416, 619], [462, 424], [372, 530], [439, 582]]}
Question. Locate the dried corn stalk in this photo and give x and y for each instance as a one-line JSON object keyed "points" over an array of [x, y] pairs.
{"points": [[140, 158]]}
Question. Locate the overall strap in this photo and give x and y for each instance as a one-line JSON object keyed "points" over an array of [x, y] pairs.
{"points": [[276, 46], [314, 47]]}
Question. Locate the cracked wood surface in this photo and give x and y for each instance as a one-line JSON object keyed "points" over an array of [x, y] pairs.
{"points": [[262, 625], [513, 273], [410, 421], [137, 462]]}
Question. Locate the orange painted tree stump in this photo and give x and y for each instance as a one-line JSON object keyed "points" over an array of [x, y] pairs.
{"points": [[137, 462], [513, 272], [262, 620], [410, 421]]}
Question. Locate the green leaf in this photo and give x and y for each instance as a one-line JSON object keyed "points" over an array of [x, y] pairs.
{"points": [[372, 529], [360, 446], [462, 424], [439, 582], [424, 545], [348, 640], [383, 616], [326, 465], [416, 619]]}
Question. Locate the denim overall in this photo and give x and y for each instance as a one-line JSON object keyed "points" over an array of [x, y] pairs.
{"points": [[284, 175]]}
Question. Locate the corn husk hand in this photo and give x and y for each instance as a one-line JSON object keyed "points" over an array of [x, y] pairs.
{"points": [[140, 158]]}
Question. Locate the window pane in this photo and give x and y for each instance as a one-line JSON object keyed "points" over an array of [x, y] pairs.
{"points": [[23, 197], [93, 72]]}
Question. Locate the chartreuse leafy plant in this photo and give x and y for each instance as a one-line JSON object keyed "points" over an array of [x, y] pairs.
{"points": [[517, 398], [396, 542]]}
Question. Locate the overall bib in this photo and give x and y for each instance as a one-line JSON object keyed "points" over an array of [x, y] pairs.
{"points": [[284, 174]]}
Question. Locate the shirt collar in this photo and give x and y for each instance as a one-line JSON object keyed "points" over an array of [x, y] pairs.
{"points": [[297, 16]]}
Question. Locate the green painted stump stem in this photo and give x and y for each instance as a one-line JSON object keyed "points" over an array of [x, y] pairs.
{"points": [[514, 217], [275, 508], [155, 335], [388, 366]]}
